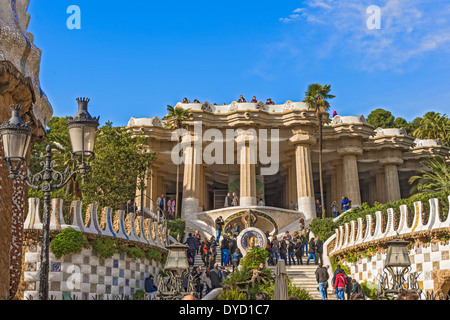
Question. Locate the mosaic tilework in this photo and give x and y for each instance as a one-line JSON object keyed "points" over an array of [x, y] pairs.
{"points": [[86, 276], [423, 260]]}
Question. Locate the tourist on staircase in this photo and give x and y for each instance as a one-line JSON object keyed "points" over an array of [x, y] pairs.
{"points": [[224, 251], [312, 251], [190, 241], [219, 225], [291, 252], [340, 284], [283, 249], [236, 258], [319, 249], [304, 238], [322, 278], [204, 251], [298, 251]]}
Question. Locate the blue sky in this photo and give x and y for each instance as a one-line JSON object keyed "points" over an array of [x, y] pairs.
{"points": [[133, 58]]}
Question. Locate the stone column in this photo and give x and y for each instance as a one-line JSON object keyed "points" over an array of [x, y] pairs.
{"points": [[392, 183], [247, 172], [351, 179], [381, 186], [305, 184], [191, 181]]}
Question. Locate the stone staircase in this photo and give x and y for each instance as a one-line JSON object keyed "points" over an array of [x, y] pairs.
{"points": [[305, 277], [301, 275]]}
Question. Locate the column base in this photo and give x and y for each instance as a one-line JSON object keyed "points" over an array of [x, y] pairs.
{"points": [[189, 205], [307, 206], [247, 201]]}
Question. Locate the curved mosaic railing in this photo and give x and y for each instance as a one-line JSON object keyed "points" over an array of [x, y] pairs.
{"points": [[126, 227], [354, 234]]}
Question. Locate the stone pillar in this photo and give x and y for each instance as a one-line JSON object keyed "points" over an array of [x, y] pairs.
{"points": [[247, 173], [339, 180], [392, 183], [305, 183], [351, 179], [372, 191], [191, 181], [381, 187]]}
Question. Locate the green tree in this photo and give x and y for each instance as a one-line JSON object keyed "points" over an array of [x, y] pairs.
{"points": [[316, 98], [434, 126], [380, 118], [120, 159], [436, 179], [402, 123], [176, 119]]}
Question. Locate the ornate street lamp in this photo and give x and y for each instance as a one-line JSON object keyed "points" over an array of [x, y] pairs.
{"points": [[16, 138], [178, 267], [397, 267]]}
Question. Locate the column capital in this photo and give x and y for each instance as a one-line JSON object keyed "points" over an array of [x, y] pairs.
{"points": [[349, 150], [302, 138], [391, 160]]}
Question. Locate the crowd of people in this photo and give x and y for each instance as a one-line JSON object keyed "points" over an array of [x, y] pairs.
{"points": [[240, 100]]}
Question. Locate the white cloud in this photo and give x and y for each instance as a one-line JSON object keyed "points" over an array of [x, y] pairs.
{"points": [[409, 30]]}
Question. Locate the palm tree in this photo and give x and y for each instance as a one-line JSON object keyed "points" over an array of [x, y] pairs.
{"points": [[175, 119], [316, 98], [436, 179], [434, 126]]}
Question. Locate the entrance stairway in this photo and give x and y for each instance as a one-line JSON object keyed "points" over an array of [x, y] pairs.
{"points": [[301, 275], [304, 276]]}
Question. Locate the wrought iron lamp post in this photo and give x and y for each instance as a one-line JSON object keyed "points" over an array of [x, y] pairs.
{"points": [[16, 137], [176, 262], [397, 267]]}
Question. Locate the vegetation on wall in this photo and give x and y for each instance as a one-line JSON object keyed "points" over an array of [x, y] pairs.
{"points": [[71, 241], [104, 247], [68, 241], [325, 228]]}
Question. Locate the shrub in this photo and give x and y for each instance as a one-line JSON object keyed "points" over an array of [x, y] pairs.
{"points": [[324, 228], [153, 254], [139, 295], [351, 256], [135, 252], [68, 241], [253, 258], [104, 247], [370, 290], [176, 227], [232, 294]]}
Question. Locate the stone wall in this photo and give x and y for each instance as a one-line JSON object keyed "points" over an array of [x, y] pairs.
{"points": [[427, 232], [85, 275]]}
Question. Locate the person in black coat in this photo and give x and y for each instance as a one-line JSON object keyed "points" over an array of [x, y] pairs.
{"points": [[298, 251], [192, 243], [319, 250], [356, 288], [216, 277], [283, 249]]}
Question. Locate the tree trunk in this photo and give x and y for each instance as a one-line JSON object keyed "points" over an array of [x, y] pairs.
{"points": [[178, 178], [320, 165]]}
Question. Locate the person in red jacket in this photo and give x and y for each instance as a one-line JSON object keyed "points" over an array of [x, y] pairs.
{"points": [[339, 285]]}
